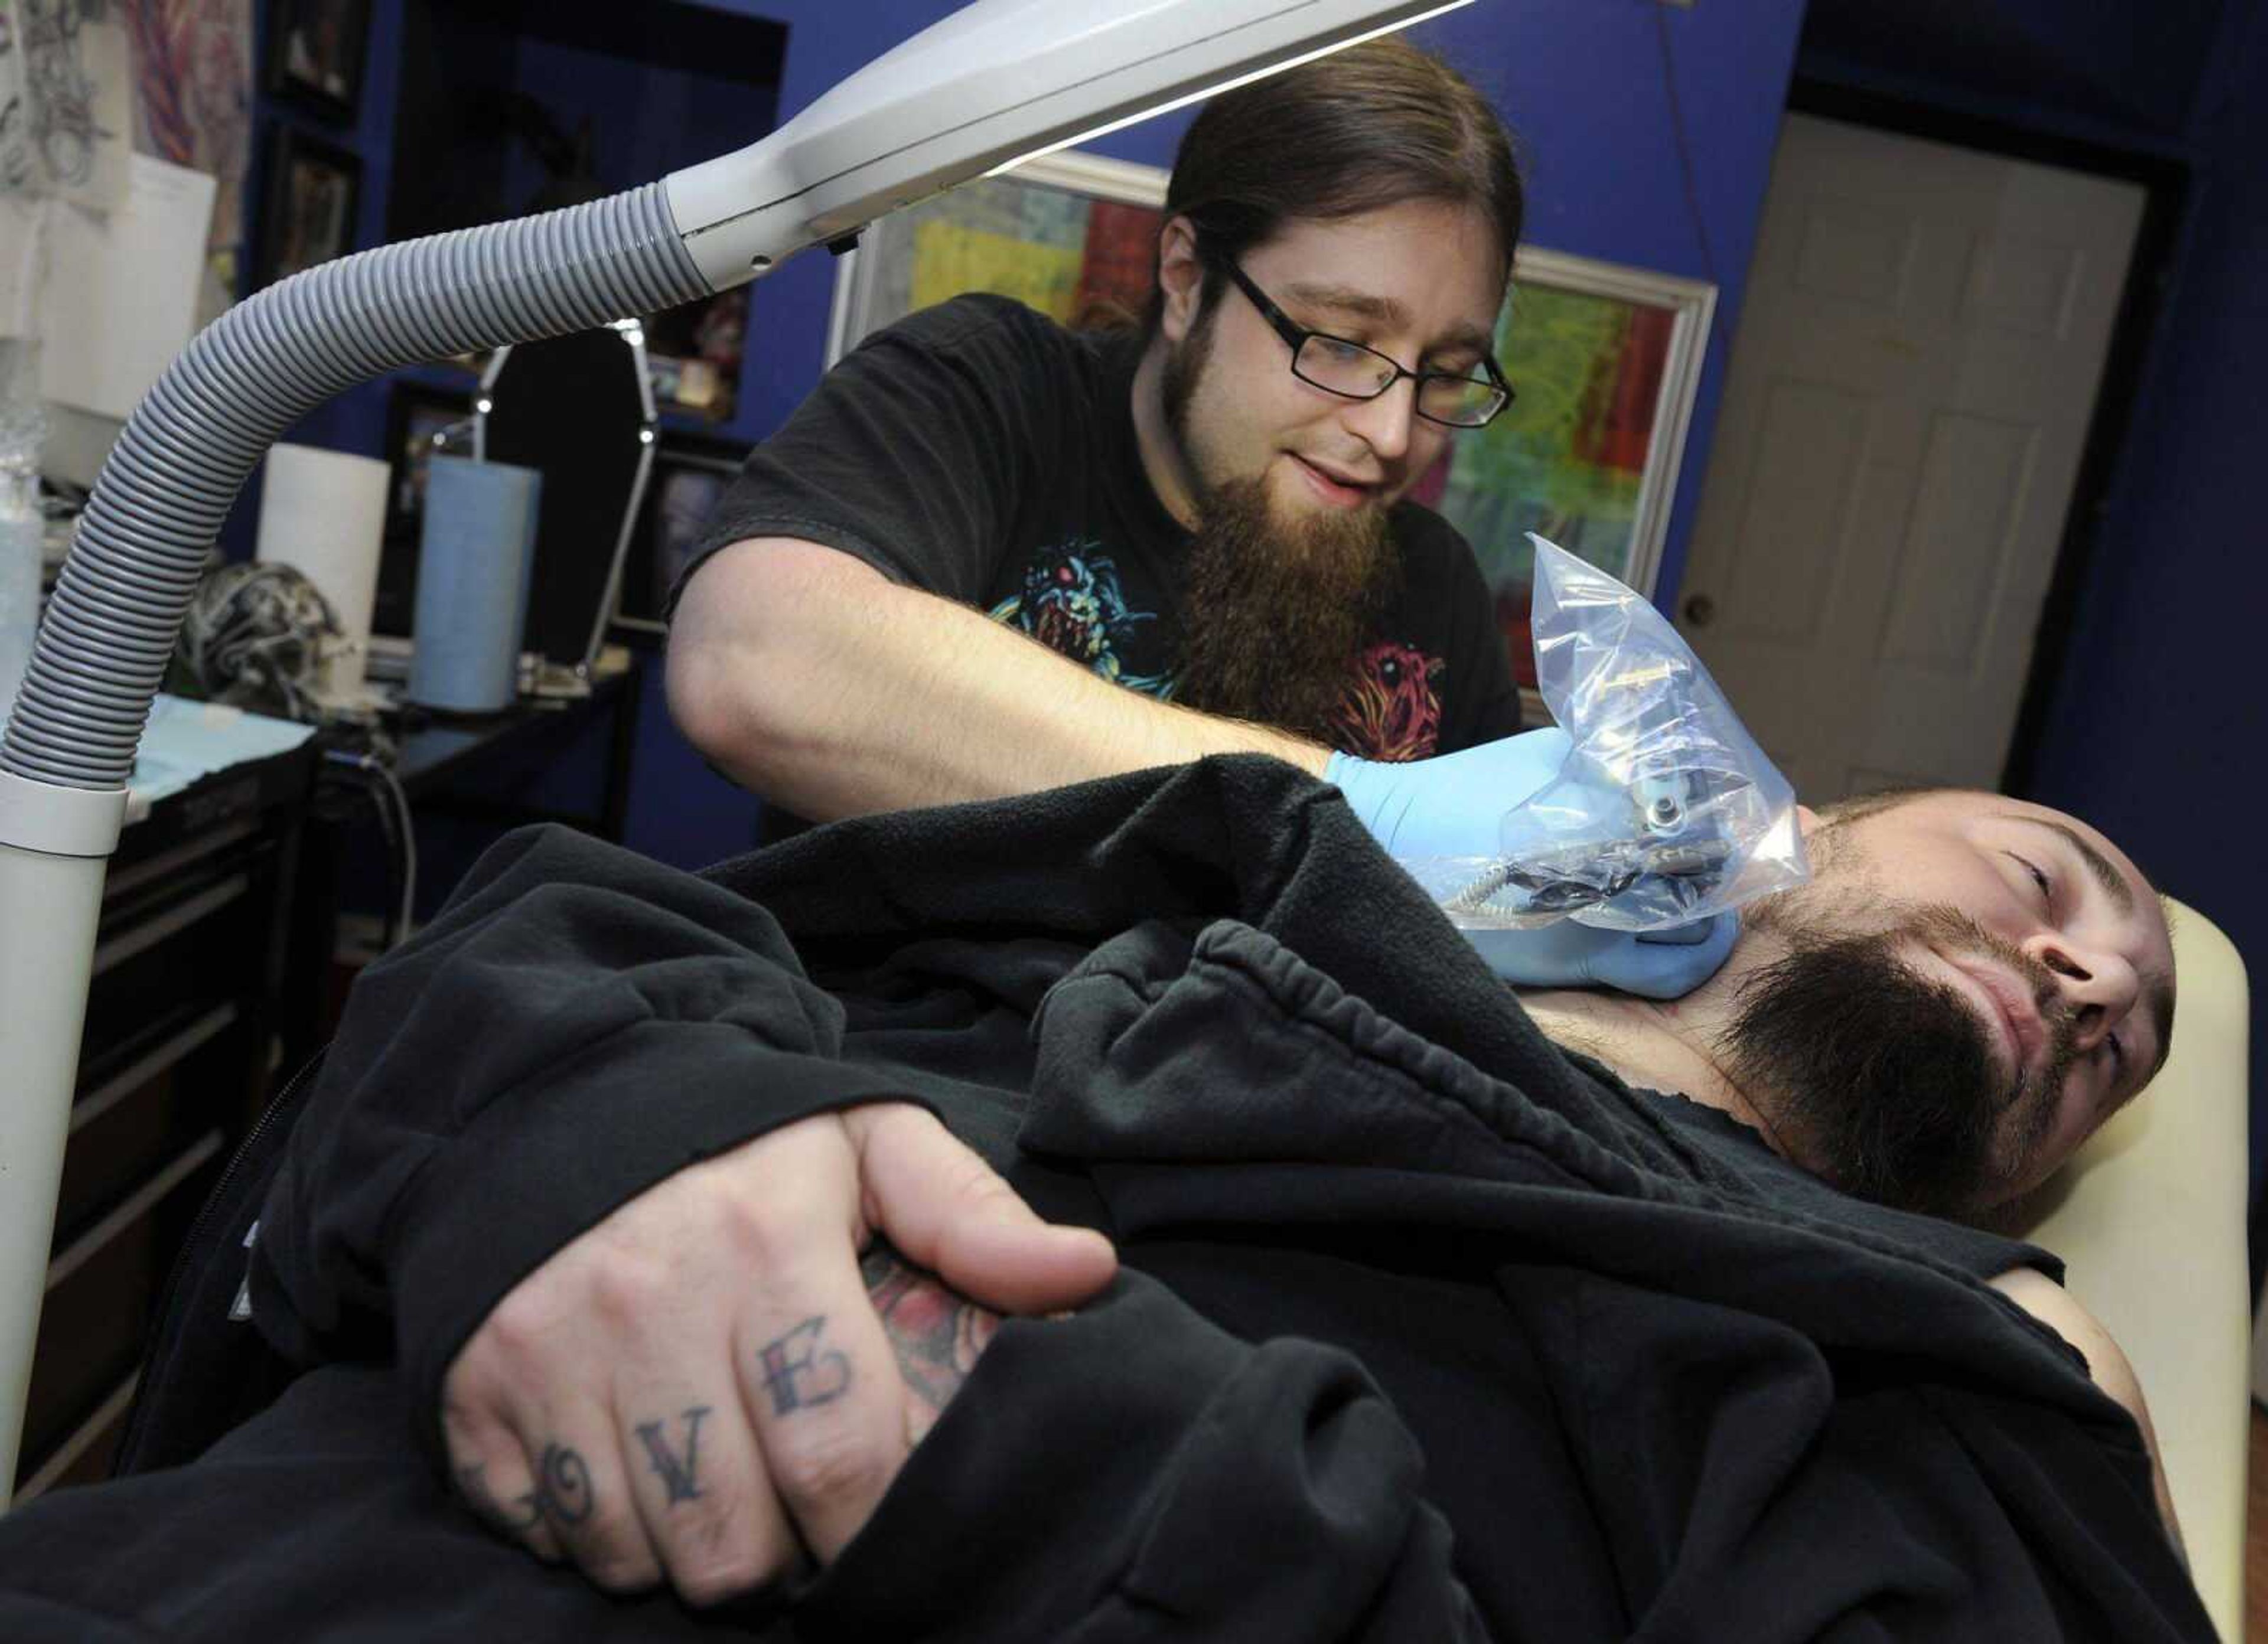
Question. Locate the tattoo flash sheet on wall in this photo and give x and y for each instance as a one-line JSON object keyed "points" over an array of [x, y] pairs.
{"points": [[18, 163], [193, 106], [66, 107]]}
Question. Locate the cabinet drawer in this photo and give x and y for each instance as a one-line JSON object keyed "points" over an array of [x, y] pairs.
{"points": [[86, 1454], [101, 1288], [186, 1078], [186, 957]]}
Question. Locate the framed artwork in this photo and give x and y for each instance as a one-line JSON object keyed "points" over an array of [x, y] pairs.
{"points": [[312, 191], [1073, 235], [419, 420], [689, 478], [1605, 360], [315, 50]]}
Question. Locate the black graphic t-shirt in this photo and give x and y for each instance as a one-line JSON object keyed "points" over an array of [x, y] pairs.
{"points": [[980, 451]]}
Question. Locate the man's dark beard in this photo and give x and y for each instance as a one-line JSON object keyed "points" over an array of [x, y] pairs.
{"points": [[1883, 1080], [1272, 613]]}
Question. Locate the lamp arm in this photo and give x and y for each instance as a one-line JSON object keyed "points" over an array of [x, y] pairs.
{"points": [[195, 439]]}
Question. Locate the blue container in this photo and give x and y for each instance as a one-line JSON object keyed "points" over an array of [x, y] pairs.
{"points": [[474, 565]]}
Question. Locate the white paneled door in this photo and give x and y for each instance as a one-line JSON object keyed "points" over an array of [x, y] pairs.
{"points": [[1919, 353]]}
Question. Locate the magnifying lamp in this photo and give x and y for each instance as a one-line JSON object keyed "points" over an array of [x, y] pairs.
{"points": [[994, 83]]}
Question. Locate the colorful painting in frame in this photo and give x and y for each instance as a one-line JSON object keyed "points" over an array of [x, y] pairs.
{"points": [[1073, 235], [1605, 360]]}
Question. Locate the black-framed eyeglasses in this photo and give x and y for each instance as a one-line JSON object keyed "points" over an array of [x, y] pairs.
{"points": [[1337, 366]]}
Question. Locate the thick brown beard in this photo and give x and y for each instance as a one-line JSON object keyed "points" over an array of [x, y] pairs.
{"points": [[1272, 613]]}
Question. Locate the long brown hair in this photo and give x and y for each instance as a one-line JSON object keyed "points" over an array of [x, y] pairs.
{"points": [[1377, 125]]}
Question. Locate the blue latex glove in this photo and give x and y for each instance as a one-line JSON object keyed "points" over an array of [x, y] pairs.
{"points": [[1453, 805], [1655, 965]]}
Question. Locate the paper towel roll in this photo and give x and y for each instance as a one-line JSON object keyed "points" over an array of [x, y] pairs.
{"points": [[323, 513], [474, 563]]}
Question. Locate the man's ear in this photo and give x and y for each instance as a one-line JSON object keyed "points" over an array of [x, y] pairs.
{"points": [[1806, 821], [1181, 277]]}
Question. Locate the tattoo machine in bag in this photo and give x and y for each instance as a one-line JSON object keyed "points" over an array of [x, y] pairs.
{"points": [[1665, 810]]}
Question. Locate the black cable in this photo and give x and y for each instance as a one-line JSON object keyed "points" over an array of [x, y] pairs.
{"points": [[391, 805], [408, 836], [390, 856]]}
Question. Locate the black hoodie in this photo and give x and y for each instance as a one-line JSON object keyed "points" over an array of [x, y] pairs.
{"points": [[1428, 1330]]}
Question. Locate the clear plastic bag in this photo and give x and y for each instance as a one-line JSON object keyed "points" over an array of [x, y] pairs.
{"points": [[1665, 810]]}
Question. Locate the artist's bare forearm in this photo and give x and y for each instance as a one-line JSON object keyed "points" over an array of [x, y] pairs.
{"points": [[816, 683]]}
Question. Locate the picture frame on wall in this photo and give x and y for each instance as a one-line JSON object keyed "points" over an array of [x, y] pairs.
{"points": [[316, 50], [1073, 235], [1606, 360], [315, 190]]}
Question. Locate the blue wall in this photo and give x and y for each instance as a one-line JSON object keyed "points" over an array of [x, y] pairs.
{"points": [[2124, 71]]}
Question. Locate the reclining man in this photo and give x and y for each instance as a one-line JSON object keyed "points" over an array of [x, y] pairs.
{"points": [[1436, 1318]]}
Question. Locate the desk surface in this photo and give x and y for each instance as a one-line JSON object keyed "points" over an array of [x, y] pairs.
{"points": [[429, 757], [442, 742], [239, 790]]}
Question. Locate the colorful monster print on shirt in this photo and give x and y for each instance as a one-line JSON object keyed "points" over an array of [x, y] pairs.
{"points": [[1071, 602]]}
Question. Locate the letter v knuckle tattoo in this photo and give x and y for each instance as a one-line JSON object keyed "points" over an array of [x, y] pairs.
{"points": [[679, 1470]]}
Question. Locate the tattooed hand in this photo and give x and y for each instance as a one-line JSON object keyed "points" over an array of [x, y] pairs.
{"points": [[936, 1332], [705, 1388]]}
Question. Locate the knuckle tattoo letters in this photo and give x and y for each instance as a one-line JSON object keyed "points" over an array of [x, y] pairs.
{"points": [[562, 1485], [679, 1472], [799, 1374]]}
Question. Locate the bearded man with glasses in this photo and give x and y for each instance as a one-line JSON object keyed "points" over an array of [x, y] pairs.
{"points": [[991, 555], [1208, 508]]}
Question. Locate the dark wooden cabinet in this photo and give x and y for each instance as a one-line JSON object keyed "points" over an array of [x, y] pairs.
{"points": [[179, 1054]]}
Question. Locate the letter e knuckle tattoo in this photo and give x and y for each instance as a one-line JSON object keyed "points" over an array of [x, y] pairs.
{"points": [[799, 1374]]}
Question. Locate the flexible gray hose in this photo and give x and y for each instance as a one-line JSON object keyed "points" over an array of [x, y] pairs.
{"points": [[196, 437]]}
